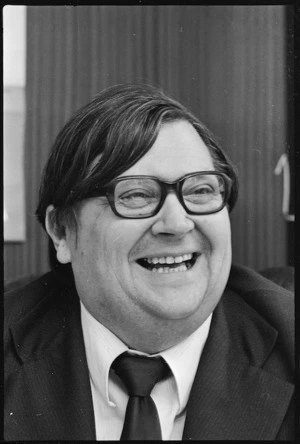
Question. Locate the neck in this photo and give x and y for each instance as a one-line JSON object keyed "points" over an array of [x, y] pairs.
{"points": [[155, 339]]}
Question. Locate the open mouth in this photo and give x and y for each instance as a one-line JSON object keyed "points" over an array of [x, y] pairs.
{"points": [[169, 264]]}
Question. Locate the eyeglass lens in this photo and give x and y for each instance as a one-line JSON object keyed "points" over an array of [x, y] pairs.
{"points": [[140, 197]]}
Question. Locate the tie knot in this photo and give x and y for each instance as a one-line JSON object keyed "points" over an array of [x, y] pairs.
{"points": [[140, 373]]}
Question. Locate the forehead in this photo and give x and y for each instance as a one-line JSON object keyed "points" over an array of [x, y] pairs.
{"points": [[178, 150]]}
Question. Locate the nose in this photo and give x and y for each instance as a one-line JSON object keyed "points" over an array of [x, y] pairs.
{"points": [[172, 219]]}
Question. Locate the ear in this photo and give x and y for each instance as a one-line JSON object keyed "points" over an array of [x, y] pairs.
{"points": [[63, 252]]}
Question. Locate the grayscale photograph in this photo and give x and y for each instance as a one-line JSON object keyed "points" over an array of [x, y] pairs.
{"points": [[148, 214]]}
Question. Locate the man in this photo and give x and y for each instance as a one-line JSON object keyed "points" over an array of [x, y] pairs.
{"points": [[136, 198]]}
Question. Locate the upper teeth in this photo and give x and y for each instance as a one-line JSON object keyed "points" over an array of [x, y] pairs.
{"points": [[169, 259]]}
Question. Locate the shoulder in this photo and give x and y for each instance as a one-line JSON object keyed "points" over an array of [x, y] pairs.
{"points": [[38, 317], [261, 293], [19, 302], [271, 302], [38, 294]]}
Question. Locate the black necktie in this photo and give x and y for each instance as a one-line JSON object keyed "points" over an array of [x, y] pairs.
{"points": [[140, 374]]}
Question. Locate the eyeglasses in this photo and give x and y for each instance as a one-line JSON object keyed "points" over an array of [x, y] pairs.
{"points": [[140, 197]]}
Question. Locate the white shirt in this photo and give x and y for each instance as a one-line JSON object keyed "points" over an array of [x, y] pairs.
{"points": [[109, 397]]}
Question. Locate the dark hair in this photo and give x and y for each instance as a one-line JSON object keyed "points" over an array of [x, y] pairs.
{"points": [[121, 124]]}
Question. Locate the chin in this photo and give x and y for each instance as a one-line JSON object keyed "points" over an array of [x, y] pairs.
{"points": [[177, 304]]}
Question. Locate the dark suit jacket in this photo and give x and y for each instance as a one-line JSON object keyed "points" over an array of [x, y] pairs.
{"points": [[243, 388]]}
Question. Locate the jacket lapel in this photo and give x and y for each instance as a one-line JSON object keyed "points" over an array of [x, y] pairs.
{"points": [[233, 397], [54, 364]]}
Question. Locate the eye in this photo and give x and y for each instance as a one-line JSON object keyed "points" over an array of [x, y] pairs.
{"points": [[199, 190], [203, 189], [207, 190], [136, 194], [137, 198]]}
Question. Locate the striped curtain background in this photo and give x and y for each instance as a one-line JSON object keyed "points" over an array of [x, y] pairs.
{"points": [[226, 63]]}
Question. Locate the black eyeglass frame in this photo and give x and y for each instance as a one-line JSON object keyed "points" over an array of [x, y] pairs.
{"points": [[166, 187]]}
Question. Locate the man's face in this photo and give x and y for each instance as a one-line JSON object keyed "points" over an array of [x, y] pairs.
{"points": [[153, 310]]}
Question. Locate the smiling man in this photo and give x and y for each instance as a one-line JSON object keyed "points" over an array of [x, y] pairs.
{"points": [[144, 329]]}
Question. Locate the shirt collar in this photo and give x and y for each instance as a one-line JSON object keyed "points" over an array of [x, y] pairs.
{"points": [[102, 348], [183, 359]]}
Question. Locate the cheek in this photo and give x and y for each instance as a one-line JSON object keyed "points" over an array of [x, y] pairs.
{"points": [[121, 238], [86, 249], [105, 248], [222, 234], [222, 252], [217, 232]]}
